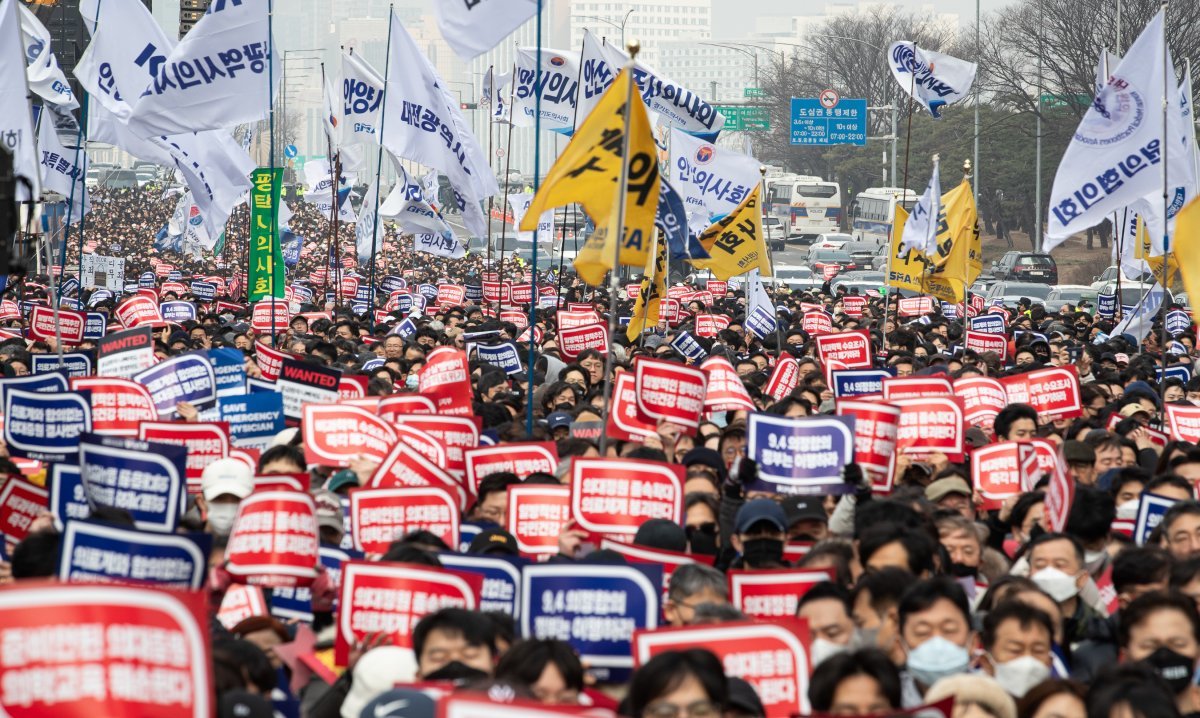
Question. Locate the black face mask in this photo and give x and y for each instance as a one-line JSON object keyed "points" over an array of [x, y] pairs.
{"points": [[703, 543], [962, 570], [762, 551], [1174, 668]]}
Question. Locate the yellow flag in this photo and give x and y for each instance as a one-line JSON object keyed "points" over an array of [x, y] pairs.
{"points": [[1144, 250], [1186, 250], [958, 259], [735, 243], [654, 286], [589, 172], [906, 266]]}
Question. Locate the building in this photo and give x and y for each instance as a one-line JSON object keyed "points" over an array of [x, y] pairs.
{"points": [[190, 12], [720, 70], [653, 24], [68, 35]]}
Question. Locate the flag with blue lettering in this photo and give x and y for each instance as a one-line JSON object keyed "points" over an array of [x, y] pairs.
{"points": [[933, 79], [16, 121], [1139, 322], [368, 238], [672, 221], [674, 103], [362, 100], [46, 79], [473, 28], [63, 169], [712, 181], [409, 205], [551, 87]]}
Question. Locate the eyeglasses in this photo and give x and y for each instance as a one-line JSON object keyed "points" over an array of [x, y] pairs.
{"points": [[708, 527], [698, 709]]}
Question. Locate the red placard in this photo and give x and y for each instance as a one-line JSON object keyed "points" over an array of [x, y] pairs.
{"points": [[515, 316], [349, 286], [518, 293], [982, 398], [521, 459], [915, 387], [177, 288], [446, 379], [916, 306], [241, 602], [573, 341], [451, 295], [270, 361], [353, 387], [625, 422], [70, 324], [1185, 422], [931, 424], [422, 443], [138, 310], [390, 598], [875, 427], [983, 342], [334, 434], [854, 305], [669, 391], [495, 292], [704, 297], [536, 516], [395, 404], [404, 467], [616, 496], [725, 390], [104, 650], [719, 288], [678, 290], [852, 349], [267, 310], [118, 405], [205, 443], [669, 310], [281, 482], [577, 318], [773, 594], [633, 291], [274, 540], [9, 310], [996, 471], [1059, 496], [771, 656], [785, 377], [710, 325], [456, 434], [816, 323], [1053, 392], [20, 503], [380, 516]]}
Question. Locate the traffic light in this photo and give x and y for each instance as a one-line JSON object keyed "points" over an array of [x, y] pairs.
{"points": [[468, 106]]}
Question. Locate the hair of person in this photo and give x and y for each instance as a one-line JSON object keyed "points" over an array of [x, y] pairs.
{"points": [[884, 587], [496, 482], [475, 628], [1092, 513], [890, 511], [837, 550], [1048, 537], [919, 548], [921, 596], [1024, 614], [1010, 415], [239, 661], [666, 671], [1142, 607], [1190, 507], [525, 661], [402, 551], [1024, 503], [1127, 475], [826, 591], [282, 452], [1184, 572], [694, 578], [1140, 566], [707, 612], [1171, 480], [870, 662], [36, 556], [1137, 687]]}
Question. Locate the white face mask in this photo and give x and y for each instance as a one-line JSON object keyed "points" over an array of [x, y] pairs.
{"points": [[1059, 584], [1128, 510], [221, 517], [822, 649], [1017, 676]]}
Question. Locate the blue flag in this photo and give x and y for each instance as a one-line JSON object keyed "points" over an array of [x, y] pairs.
{"points": [[671, 219]]}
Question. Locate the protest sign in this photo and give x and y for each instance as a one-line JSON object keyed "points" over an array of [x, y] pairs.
{"points": [[625, 421], [816, 323], [119, 651], [118, 405], [502, 356], [92, 552], [45, 426], [303, 382], [405, 403], [1060, 494], [668, 560], [501, 579], [270, 361], [988, 324], [20, 504], [521, 458], [452, 295], [144, 478], [724, 391], [916, 387], [390, 598], [803, 455], [44, 325], [185, 378], [784, 378], [1184, 422], [253, 419], [101, 271], [205, 443], [595, 608], [616, 496], [68, 501], [929, 425], [710, 325], [875, 427], [178, 312], [573, 341], [137, 311], [95, 326], [516, 317], [536, 516], [445, 379], [274, 540], [773, 594], [1150, 512], [857, 382], [404, 467], [456, 434], [73, 365], [126, 353], [336, 434], [916, 306], [998, 470], [422, 443], [1053, 392], [270, 316], [692, 350], [380, 516], [577, 318], [853, 349], [670, 392], [981, 342], [853, 305], [204, 291], [982, 397]]}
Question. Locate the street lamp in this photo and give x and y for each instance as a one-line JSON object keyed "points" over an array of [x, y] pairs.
{"points": [[620, 26]]}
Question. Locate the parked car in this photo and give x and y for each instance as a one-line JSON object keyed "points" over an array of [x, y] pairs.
{"points": [[1109, 276], [796, 277], [857, 277], [1132, 291], [775, 233], [832, 240], [819, 257], [1026, 267], [862, 252], [1012, 292], [1065, 294]]}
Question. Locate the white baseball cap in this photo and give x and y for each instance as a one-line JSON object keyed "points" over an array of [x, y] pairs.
{"points": [[226, 476], [378, 671]]}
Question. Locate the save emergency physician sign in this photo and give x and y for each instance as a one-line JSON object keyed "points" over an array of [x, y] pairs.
{"points": [[117, 651]]}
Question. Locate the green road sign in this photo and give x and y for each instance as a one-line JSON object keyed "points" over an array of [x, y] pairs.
{"points": [[754, 93], [740, 118], [1079, 99]]}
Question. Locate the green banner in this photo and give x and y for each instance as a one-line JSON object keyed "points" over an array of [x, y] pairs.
{"points": [[266, 256]]}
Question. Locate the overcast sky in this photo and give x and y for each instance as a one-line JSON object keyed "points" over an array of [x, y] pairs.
{"points": [[732, 18]]}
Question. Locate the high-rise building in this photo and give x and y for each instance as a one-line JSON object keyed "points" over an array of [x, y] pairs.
{"points": [[651, 24], [190, 12]]}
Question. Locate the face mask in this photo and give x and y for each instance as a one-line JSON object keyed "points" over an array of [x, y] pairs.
{"points": [[701, 542], [1017, 676], [1094, 561], [1060, 585], [410, 381], [220, 518], [935, 659], [1128, 510], [963, 571], [822, 649], [762, 551], [1174, 667]]}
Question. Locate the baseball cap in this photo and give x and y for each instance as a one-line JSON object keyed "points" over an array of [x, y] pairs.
{"points": [[345, 477], [1121, 358], [494, 541], [558, 420], [804, 508], [662, 534], [376, 673], [942, 488], [1132, 408], [226, 476], [753, 512], [244, 704], [400, 703], [1077, 452], [329, 510]]}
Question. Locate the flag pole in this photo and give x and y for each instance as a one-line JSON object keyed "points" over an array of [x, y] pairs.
{"points": [[967, 167], [533, 277], [274, 201], [333, 212], [1168, 80], [762, 214], [489, 95], [634, 47], [507, 171], [379, 166]]}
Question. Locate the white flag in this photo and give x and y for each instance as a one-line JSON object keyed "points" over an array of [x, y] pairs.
{"points": [[216, 77], [45, 77], [520, 205], [472, 27], [1115, 157], [495, 94], [597, 74], [1140, 321], [933, 79], [711, 180], [1181, 173], [430, 184], [63, 170], [558, 91], [920, 231], [188, 225], [425, 124], [760, 310], [362, 100], [322, 203], [16, 121], [407, 204], [444, 244], [333, 121], [368, 238], [678, 105]]}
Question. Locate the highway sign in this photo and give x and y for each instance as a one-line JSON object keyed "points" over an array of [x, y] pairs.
{"points": [[753, 93], [815, 124], [742, 118]]}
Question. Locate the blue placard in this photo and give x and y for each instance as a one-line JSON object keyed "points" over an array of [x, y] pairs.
{"points": [[187, 377], [814, 124], [42, 383], [856, 382], [359, 308], [70, 286], [363, 294], [92, 551], [96, 326], [303, 294], [501, 579], [204, 291], [174, 275], [1106, 305], [475, 293], [1179, 371], [372, 364], [296, 603], [1178, 322], [68, 501], [99, 295], [76, 364], [146, 280], [404, 329], [70, 303], [404, 303], [949, 311], [256, 386], [467, 531], [178, 311], [46, 426], [254, 419], [144, 478], [988, 324], [595, 608], [428, 291], [229, 370], [761, 322], [1037, 336], [503, 355], [687, 345], [1151, 509], [392, 283], [803, 455]]}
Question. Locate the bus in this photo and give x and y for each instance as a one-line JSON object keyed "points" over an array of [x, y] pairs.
{"points": [[806, 205], [874, 211]]}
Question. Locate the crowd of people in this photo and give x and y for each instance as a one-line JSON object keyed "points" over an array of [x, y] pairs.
{"points": [[933, 593]]}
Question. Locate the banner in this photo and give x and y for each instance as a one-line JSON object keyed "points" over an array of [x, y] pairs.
{"points": [[21, 502], [929, 425], [381, 516], [445, 379], [736, 242], [455, 433], [521, 458], [336, 434], [118, 405], [573, 341], [73, 365], [724, 389], [857, 382], [551, 86], [536, 516], [102, 553], [274, 540], [774, 594], [876, 426], [185, 378], [266, 256], [711, 180], [853, 349], [44, 325], [803, 455], [1053, 392], [125, 353], [670, 392], [981, 342], [616, 496], [143, 478], [785, 377], [674, 103]]}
